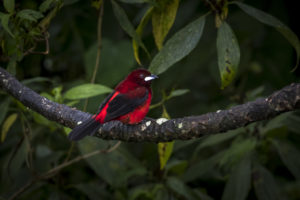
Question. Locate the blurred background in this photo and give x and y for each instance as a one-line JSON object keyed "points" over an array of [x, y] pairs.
{"points": [[260, 161]]}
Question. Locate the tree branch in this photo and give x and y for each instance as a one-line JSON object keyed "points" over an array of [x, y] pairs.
{"points": [[160, 130]]}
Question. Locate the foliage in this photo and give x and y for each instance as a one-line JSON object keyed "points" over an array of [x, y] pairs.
{"points": [[209, 55]]}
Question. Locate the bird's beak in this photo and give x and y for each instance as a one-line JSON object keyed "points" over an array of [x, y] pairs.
{"points": [[151, 77]]}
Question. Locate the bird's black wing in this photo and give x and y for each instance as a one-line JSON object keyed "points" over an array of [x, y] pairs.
{"points": [[126, 103]]}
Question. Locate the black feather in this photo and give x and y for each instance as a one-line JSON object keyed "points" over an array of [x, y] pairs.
{"points": [[88, 127], [122, 104]]}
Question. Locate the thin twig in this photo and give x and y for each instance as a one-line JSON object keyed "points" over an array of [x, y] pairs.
{"points": [[46, 39], [79, 158], [70, 152], [99, 39], [56, 169]]}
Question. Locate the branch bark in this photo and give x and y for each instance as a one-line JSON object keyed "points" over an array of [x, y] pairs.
{"points": [[160, 130]]}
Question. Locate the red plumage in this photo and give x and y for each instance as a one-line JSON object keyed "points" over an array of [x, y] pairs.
{"points": [[128, 103]]}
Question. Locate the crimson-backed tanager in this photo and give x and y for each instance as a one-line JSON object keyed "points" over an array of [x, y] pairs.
{"points": [[128, 103]]}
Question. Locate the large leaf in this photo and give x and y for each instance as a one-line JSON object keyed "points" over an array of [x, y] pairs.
{"points": [[163, 17], [177, 166], [14, 163], [202, 167], [113, 54], [36, 80], [239, 148], [126, 24], [106, 166], [4, 108], [290, 156], [7, 125], [178, 46], [118, 163], [164, 151], [9, 5], [216, 139], [238, 185], [93, 190], [165, 148], [228, 54], [86, 91], [141, 192], [179, 92], [139, 31], [180, 188], [265, 185], [272, 21], [4, 22]]}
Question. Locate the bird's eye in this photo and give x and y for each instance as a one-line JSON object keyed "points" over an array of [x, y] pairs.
{"points": [[141, 76]]}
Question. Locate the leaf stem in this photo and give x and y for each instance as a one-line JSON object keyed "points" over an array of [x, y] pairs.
{"points": [[99, 39]]}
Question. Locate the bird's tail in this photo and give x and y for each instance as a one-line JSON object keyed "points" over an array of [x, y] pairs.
{"points": [[88, 127]]}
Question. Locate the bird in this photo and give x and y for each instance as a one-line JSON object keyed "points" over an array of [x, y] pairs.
{"points": [[128, 103]]}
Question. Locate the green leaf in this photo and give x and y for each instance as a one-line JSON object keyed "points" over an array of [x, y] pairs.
{"points": [[9, 5], [4, 108], [46, 5], [165, 148], [126, 24], [177, 166], [41, 119], [216, 139], [293, 122], [164, 151], [7, 124], [107, 166], [265, 185], [201, 195], [57, 94], [139, 31], [67, 130], [176, 93], [11, 66], [31, 15], [4, 21], [72, 103], [179, 187], [202, 167], [93, 190], [15, 163], [178, 46], [143, 191], [228, 54], [274, 22], [239, 183], [163, 17], [239, 148], [290, 156], [35, 80], [86, 91]]}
